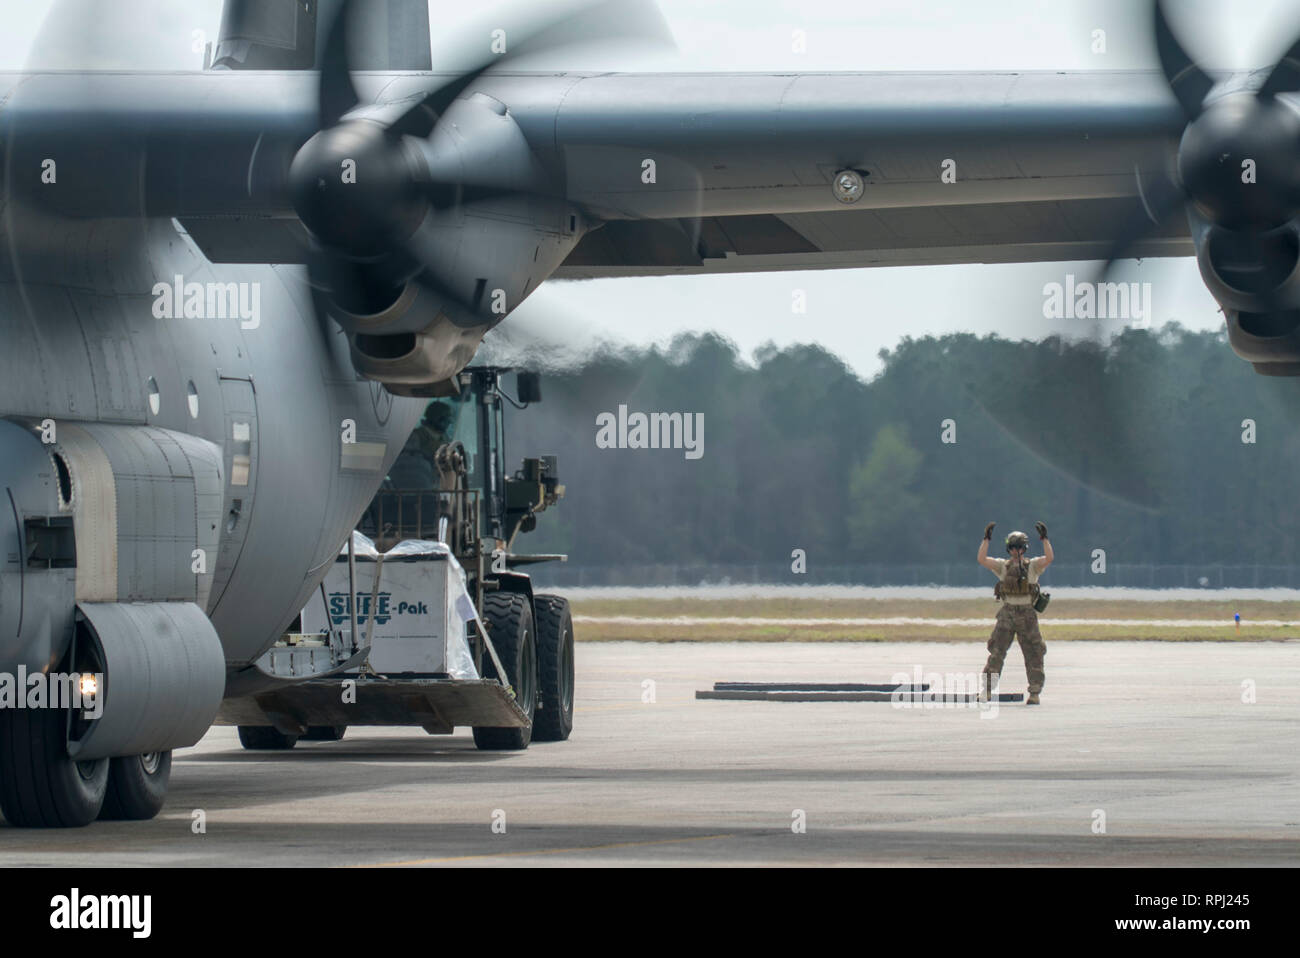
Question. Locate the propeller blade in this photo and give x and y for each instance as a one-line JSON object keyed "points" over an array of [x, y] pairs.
{"points": [[1063, 387], [1188, 81], [436, 286], [1285, 77], [374, 252], [360, 288], [590, 22], [337, 94], [421, 118], [424, 248], [1160, 201], [445, 196]]}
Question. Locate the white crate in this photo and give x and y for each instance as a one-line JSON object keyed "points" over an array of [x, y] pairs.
{"points": [[421, 610]]}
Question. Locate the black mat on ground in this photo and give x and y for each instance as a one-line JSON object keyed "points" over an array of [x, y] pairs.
{"points": [[782, 695]]}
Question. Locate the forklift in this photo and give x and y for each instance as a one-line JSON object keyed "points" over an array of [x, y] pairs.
{"points": [[444, 527]]}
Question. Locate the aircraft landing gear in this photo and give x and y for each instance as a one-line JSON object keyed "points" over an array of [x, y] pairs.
{"points": [[137, 786], [40, 786]]}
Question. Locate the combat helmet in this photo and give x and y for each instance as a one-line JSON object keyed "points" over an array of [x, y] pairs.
{"points": [[438, 416], [1017, 539]]}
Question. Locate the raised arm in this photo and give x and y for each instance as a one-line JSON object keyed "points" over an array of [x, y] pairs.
{"points": [[982, 557], [1048, 556]]}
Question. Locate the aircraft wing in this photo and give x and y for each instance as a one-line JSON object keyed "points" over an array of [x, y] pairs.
{"points": [[1039, 167], [677, 173], [1047, 231]]}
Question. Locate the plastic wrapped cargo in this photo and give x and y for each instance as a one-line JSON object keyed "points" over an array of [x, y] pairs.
{"points": [[421, 608]]}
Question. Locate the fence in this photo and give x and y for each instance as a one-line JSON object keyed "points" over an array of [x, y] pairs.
{"points": [[1118, 575]]}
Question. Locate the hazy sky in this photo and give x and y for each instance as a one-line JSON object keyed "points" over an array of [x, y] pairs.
{"points": [[854, 313]]}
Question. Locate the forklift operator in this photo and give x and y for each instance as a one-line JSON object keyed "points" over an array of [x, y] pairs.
{"points": [[414, 468]]}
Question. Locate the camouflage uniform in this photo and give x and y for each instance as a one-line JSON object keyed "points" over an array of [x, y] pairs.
{"points": [[1017, 619], [434, 430], [414, 468]]}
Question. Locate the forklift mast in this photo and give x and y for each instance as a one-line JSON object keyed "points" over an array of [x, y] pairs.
{"points": [[482, 387], [509, 503]]}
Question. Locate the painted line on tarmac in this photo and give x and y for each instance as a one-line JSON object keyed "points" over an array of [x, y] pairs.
{"points": [[543, 851], [909, 620]]}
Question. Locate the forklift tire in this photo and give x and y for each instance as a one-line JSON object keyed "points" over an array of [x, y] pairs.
{"points": [[137, 787], [265, 738], [325, 733], [509, 618], [554, 719]]}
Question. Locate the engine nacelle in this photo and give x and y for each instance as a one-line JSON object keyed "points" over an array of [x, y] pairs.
{"points": [[437, 238], [414, 364], [1255, 277], [1268, 341], [491, 257]]}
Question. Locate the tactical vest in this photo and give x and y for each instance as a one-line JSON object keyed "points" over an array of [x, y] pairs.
{"points": [[1015, 582]]}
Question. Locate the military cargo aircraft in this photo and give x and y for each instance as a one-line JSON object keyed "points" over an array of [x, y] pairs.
{"points": [[226, 296]]}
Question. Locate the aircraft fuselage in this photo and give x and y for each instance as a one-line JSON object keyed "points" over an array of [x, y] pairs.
{"points": [[101, 339]]}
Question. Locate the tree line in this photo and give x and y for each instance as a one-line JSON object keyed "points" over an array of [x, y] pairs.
{"points": [[1159, 447]]}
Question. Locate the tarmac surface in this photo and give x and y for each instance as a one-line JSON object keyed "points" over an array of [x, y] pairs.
{"points": [[1142, 753]]}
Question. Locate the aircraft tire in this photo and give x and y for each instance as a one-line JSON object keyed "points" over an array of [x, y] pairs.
{"points": [[325, 733], [265, 738], [509, 618], [137, 787], [554, 720], [40, 786]]}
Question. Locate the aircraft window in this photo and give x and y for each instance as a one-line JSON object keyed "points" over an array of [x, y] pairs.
{"points": [[241, 461], [155, 398], [192, 397]]}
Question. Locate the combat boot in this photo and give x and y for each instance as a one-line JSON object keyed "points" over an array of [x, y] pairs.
{"points": [[1032, 698]]}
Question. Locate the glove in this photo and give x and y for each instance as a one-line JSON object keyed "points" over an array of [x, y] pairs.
{"points": [[1041, 529], [988, 531]]}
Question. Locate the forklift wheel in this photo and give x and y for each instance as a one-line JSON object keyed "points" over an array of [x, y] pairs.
{"points": [[265, 738], [554, 719], [509, 618]]}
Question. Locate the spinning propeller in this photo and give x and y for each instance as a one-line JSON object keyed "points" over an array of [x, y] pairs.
{"points": [[1237, 175], [412, 166], [1236, 179]]}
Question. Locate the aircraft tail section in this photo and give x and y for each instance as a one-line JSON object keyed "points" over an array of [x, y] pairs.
{"points": [[289, 35]]}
